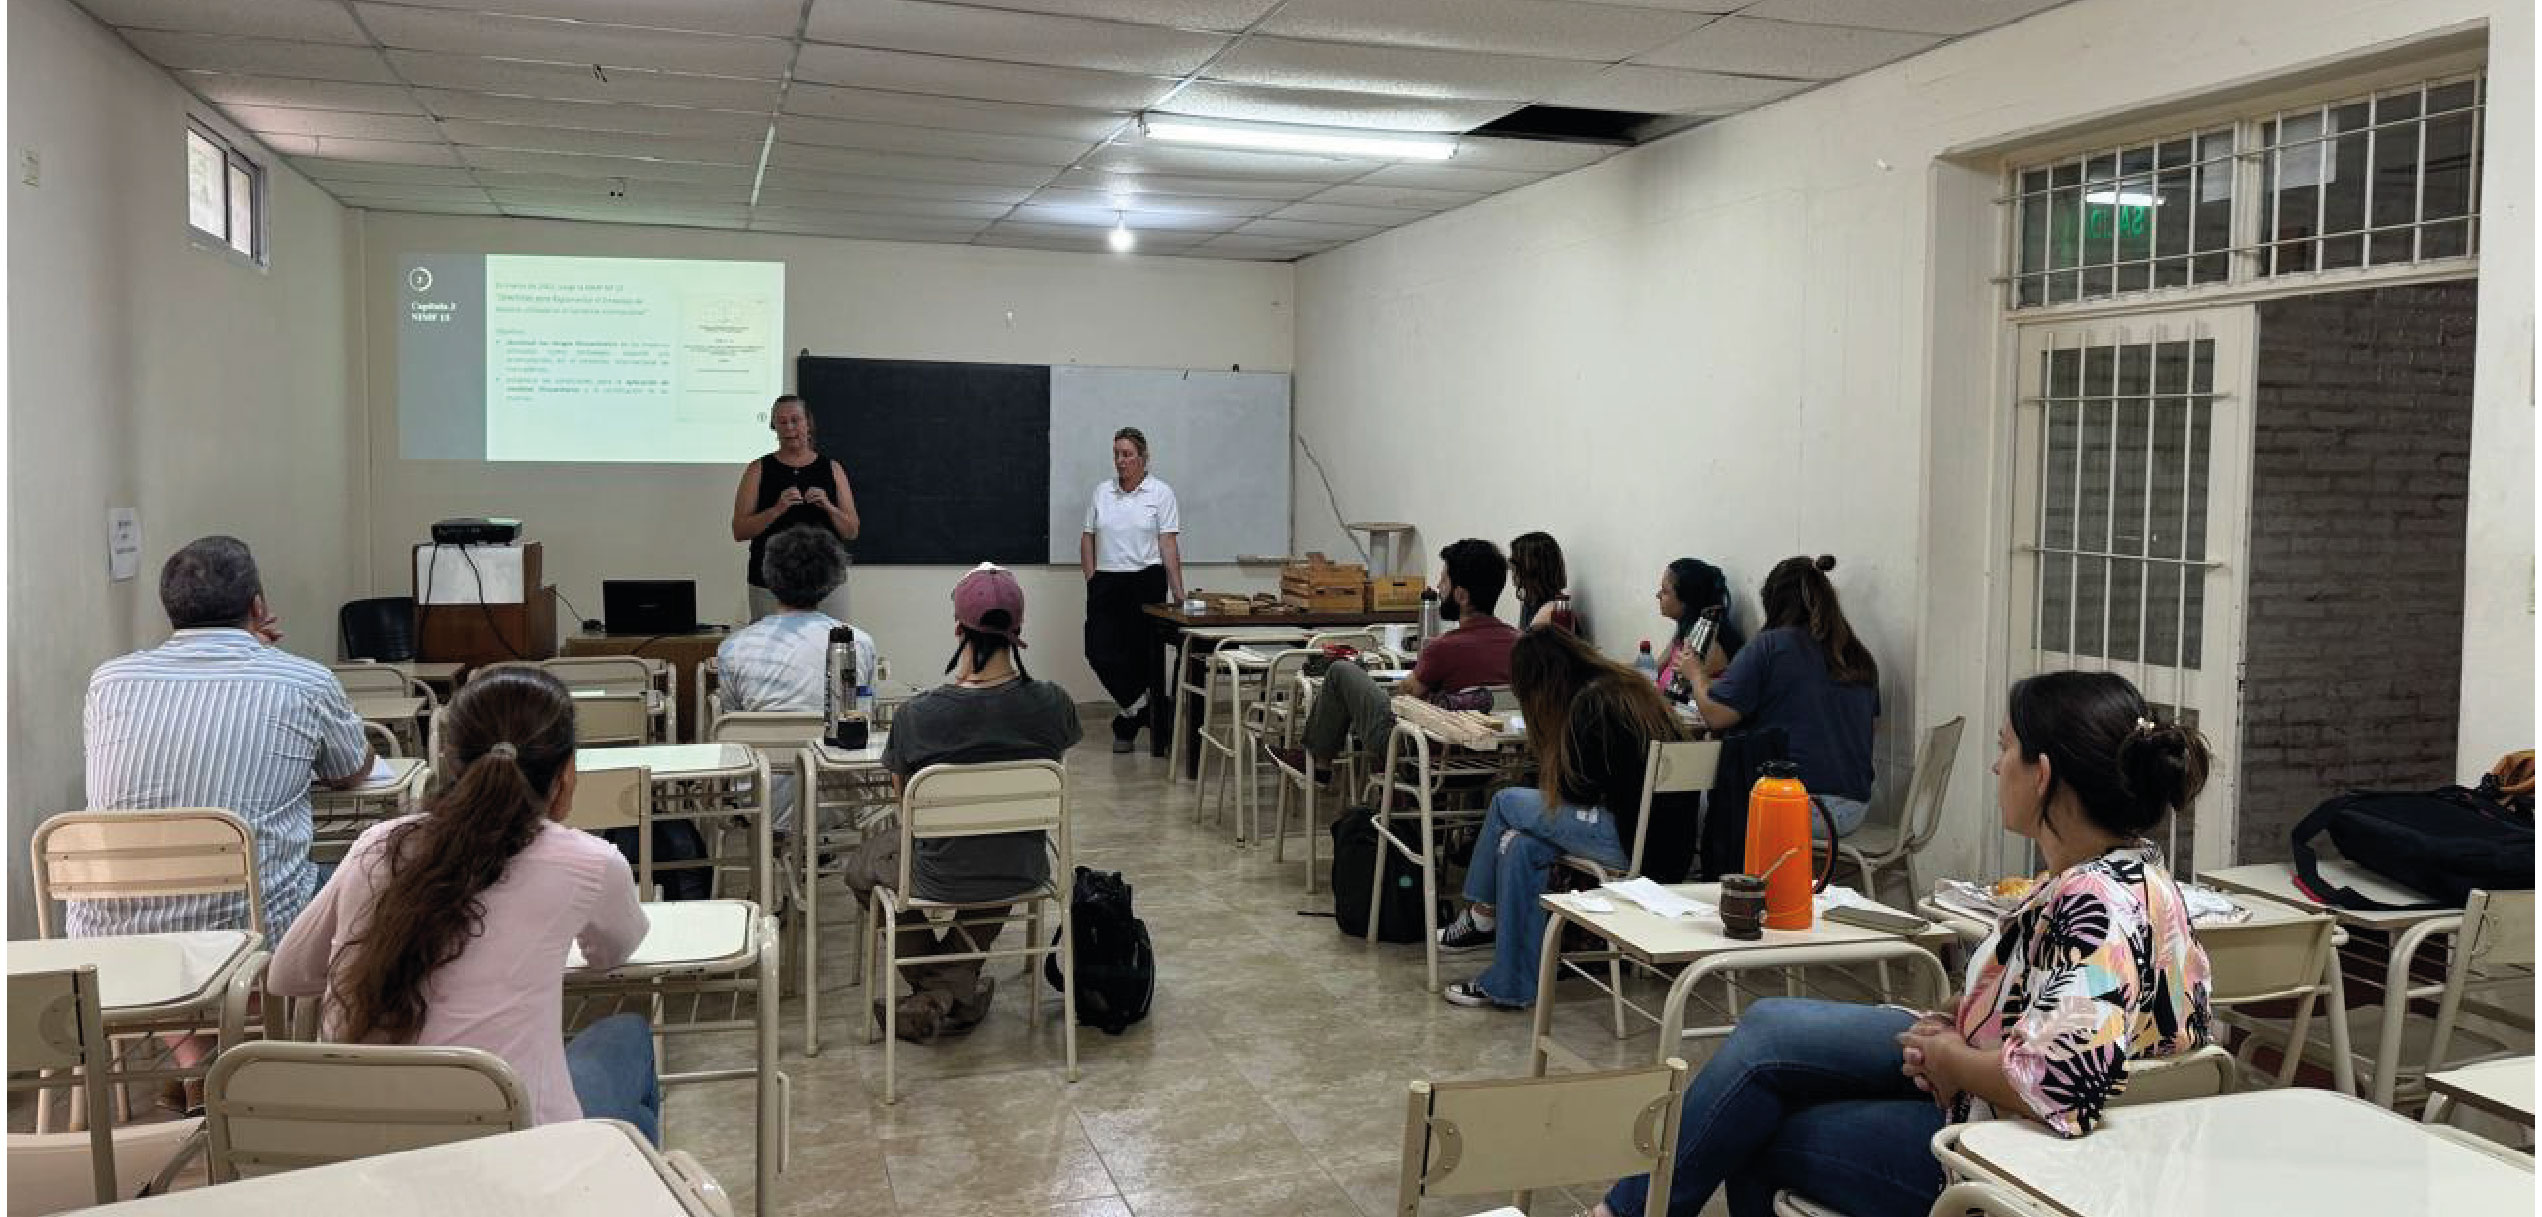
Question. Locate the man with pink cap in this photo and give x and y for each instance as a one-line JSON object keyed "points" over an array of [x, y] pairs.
{"points": [[990, 711]]}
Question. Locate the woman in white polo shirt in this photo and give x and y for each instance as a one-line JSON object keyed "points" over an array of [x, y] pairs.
{"points": [[1131, 560]]}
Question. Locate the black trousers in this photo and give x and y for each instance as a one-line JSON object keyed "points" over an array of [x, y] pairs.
{"points": [[1122, 642]]}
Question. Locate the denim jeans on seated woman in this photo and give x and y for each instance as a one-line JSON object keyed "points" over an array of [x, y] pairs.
{"points": [[1512, 860], [1805, 1095], [611, 1062]]}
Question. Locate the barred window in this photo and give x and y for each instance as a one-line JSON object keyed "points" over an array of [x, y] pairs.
{"points": [[2375, 181]]}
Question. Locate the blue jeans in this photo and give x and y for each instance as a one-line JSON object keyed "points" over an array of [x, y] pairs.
{"points": [[1804, 1095], [1512, 860], [611, 1063]]}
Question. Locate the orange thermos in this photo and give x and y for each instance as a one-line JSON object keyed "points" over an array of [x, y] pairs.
{"points": [[1779, 812]]}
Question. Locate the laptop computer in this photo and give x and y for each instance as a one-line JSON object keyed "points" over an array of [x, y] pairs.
{"points": [[648, 606]]}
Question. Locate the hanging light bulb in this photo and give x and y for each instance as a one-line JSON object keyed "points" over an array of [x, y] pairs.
{"points": [[1123, 240]]}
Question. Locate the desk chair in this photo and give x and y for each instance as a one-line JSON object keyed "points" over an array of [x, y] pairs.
{"points": [[612, 719], [1513, 1135], [274, 1106], [618, 800], [144, 853], [1225, 737], [784, 738], [366, 678], [57, 1041], [2257, 964], [947, 802], [1873, 847], [381, 628], [1670, 767], [1428, 770]]}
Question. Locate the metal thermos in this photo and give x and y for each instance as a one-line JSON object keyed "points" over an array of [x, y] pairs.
{"points": [[1681, 687], [840, 701], [1429, 613]]}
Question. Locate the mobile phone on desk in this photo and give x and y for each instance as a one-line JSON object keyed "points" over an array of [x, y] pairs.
{"points": [[1877, 919]]}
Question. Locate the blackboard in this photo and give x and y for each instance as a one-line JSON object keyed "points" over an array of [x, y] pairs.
{"points": [[950, 462]]}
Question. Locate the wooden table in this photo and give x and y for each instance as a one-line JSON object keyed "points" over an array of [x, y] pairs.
{"points": [[160, 982], [2293, 1151], [2501, 1088], [705, 966], [586, 1168], [1174, 631], [2406, 932], [683, 652], [1707, 952]]}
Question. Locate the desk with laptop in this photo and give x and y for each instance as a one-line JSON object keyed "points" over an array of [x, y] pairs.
{"points": [[654, 619]]}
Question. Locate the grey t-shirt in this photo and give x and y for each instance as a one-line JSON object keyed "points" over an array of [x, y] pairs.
{"points": [[1024, 720]]}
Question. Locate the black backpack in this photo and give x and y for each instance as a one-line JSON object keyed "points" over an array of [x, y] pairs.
{"points": [[2444, 842], [1356, 851], [1116, 966]]}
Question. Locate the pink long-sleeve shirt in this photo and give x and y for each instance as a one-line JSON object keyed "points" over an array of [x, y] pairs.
{"points": [[505, 991]]}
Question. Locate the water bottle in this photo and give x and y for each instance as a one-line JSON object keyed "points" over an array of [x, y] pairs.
{"points": [[846, 700], [1645, 664], [1681, 687], [1429, 613]]}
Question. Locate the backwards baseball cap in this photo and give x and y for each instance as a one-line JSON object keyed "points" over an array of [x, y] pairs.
{"points": [[990, 588]]}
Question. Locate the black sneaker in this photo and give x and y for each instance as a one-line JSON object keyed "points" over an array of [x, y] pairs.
{"points": [[1462, 936], [967, 1014], [1471, 995]]}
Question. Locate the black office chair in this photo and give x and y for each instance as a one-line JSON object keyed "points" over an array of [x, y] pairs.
{"points": [[381, 628]]}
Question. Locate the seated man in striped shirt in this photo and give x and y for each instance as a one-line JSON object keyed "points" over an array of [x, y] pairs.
{"points": [[218, 716]]}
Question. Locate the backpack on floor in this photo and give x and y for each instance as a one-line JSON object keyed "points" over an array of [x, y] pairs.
{"points": [[2444, 842], [1116, 965], [1356, 851]]}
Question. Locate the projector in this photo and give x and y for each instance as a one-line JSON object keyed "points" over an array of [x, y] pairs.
{"points": [[476, 530]]}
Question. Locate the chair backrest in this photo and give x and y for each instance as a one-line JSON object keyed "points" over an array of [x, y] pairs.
{"points": [[1921, 816], [137, 854], [1673, 767], [1981, 1200], [769, 730], [55, 1027], [1504, 699], [1365, 640], [1517, 1134], [2498, 930], [942, 801], [2271, 961], [383, 741], [2200, 1074], [275, 1106], [365, 678], [607, 673], [380, 628], [611, 798], [604, 719]]}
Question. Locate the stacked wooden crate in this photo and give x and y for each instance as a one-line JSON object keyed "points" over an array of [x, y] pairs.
{"points": [[1389, 593], [1318, 585]]}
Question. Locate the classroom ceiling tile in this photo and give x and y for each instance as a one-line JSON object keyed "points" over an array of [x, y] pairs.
{"points": [[874, 228], [1065, 196], [951, 113], [1528, 155], [737, 152], [1307, 230], [1948, 18], [931, 141], [667, 217], [296, 20], [428, 207], [780, 178], [270, 120], [403, 152], [772, 18], [1559, 29], [686, 122], [1146, 156], [1332, 108], [922, 168], [1071, 236], [326, 172], [1229, 16], [228, 89], [1212, 187], [1749, 47], [1450, 177], [978, 79], [1010, 37], [525, 186], [262, 57], [1406, 198], [1294, 64], [1260, 249], [574, 164], [394, 192], [1344, 213], [1138, 220], [576, 42], [806, 204], [1638, 89], [579, 82]]}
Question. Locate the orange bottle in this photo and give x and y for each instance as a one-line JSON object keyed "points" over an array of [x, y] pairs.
{"points": [[1778, 823]]}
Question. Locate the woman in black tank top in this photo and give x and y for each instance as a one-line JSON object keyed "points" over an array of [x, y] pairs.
{"points": [[792, 487]]}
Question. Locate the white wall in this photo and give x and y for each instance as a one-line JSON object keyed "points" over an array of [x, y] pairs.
{"points": [[1773, 335], [148, 372], [861, 298]]}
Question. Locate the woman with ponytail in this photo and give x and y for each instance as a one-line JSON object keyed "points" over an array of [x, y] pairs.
{"points": [[1806, 675], [450, 927], [2097, 968]]}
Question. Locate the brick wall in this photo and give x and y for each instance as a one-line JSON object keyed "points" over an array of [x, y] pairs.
{"points": [[2353, 639]]}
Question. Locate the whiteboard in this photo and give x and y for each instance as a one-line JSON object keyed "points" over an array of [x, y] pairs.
{"points": [[1220, 439]]}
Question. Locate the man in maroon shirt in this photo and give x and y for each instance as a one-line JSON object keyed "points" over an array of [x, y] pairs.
{"points": [[1475, 653]]}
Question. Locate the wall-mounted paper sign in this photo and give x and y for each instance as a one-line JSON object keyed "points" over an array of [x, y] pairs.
{"points": [[123, 542]]}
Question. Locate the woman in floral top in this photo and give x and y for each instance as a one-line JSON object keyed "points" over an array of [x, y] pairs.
{"points": [[2097, 967]]}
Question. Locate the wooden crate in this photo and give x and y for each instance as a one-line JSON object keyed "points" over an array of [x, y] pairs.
{"points": [[1224, 604], [1321, 586], [1388, 593]]}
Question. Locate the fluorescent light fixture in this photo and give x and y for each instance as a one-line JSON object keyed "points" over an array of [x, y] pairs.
{"points": [[1123, 240], [2123, 198], [1311, 141]]}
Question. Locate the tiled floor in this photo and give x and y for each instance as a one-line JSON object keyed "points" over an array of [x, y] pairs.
{"points": [[1269, 1079]]}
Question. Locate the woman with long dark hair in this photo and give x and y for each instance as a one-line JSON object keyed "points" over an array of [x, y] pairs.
{"points": [[1544, 584], [1687, 588], [1807, 675], [1590, 723], [450, 927], [2097, 967]]}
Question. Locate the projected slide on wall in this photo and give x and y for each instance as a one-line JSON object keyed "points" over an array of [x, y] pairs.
{"points": [[505, 357]]}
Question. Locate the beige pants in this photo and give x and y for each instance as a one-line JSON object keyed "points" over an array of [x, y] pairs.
{"points": [[877, 861]]}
